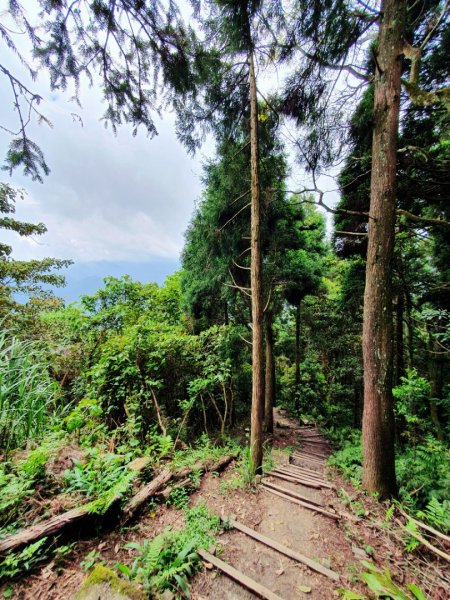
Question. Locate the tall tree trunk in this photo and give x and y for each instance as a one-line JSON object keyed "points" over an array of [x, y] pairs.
{"points": [[270, 376], [436, 368], [256, 434], [410, 329], [378, 416], [297, 344]]}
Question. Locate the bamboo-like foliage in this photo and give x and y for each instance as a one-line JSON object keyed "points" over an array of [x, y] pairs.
{"points": [[28, 396]]}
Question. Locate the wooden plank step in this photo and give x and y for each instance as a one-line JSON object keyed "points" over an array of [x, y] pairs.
{"points": [[312, 461], [304, 479], [303, 470], [291, 496], [314, 475], [312, 447], [297, 494], [311, 484], [244, 580], [313, 454], [309, 562], [300, 475], [314, 440]]}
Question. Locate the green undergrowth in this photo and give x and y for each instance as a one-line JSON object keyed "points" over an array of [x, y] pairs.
{"points": [[97, 473], [169, 560], [245, 475], [15, 563], [18, 479], [423, 474], [381, 585], [204, 451], [29, 399]]}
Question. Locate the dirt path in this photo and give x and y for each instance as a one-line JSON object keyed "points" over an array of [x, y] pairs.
{"points": [[338, 544], [305, 531]]}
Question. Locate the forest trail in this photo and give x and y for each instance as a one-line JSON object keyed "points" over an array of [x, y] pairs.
{"points": [[322, 525], [278, 516]]}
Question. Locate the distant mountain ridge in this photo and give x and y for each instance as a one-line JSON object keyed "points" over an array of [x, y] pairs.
{"points": [[86, 278]]}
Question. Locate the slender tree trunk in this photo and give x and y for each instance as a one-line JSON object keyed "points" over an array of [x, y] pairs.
{"points": [[400, 345], [378, 416], [297, 344], [270, 376], [410, 329], [400, 423], [436, 369], [256, 433]]}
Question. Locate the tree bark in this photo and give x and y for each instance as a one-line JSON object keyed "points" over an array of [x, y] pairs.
{"points": [[410, 329], [270, 376], [436, 369], [297, 344], [400, 350], [378, 416], [256, 434]]}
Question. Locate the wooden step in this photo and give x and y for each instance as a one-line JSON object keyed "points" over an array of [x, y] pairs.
{"points": [[309, 562], [292, 497], [244, 580]]}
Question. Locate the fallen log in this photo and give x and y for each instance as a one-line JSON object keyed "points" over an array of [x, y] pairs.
{"points": [[244, 580], [216, 466], [59, 523], [76, 516], [165, 493], [152, 488], [146, 492], [291, 496], [48, 528], [309, 562]]}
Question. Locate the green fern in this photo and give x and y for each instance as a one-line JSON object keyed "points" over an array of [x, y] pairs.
{"points": [[411, 543], [389, 513], [117, 491], [153, 552], [170, 559], [437, 514]]}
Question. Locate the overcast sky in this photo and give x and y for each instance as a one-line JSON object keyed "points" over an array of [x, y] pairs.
{"points": [[107, 198]]}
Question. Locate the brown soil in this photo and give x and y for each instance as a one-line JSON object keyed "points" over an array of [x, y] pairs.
{"points": [[339, 545]]}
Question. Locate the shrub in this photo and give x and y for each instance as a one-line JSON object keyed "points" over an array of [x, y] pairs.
{"points": [[28, 397]]}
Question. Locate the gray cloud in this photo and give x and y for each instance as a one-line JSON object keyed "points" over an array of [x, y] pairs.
{"points": [[107, 197]]}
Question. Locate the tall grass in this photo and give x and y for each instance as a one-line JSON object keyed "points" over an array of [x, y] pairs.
{"points": [[28, 396]]}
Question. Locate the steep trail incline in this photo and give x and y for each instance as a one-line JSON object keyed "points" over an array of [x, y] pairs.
{"points": [[295, 508]]}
